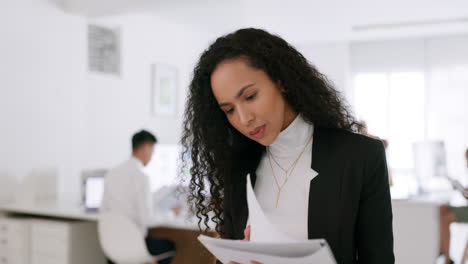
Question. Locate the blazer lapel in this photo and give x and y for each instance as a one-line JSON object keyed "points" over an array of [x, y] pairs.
{"points": [[240, 207], [324, 190]]}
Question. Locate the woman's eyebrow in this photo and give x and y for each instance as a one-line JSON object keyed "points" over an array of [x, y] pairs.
{"points": [[239, 94]]}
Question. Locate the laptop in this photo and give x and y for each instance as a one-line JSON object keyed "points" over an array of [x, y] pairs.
{"points": [[94, 190]]}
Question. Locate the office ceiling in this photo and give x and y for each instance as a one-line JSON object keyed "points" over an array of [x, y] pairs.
{"points": [[300, 20]]}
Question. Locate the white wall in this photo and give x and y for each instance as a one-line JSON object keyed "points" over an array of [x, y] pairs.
{"points": [[333, 60], [42, 79], [54, 113]]}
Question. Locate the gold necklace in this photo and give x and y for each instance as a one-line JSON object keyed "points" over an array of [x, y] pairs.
{"points": [[277, 163], [293, 166]]}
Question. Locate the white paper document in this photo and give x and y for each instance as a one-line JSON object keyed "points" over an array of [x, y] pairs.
{"points": [[458, 186], [267, 245]]}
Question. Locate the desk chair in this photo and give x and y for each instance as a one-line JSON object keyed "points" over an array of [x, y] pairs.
{"points": [[122, 241]]}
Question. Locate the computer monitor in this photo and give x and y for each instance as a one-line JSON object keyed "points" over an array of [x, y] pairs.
{"points": [[430, 165], [94, 190], [164, 166]]}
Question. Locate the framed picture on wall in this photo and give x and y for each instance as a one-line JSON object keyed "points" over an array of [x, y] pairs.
{"points": [[104, 50], [164, 84]]}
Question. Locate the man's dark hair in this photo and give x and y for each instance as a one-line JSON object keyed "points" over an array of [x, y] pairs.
{"points": [[141, 138]]}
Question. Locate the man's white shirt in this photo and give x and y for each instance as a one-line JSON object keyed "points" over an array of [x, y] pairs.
{"points": [[127, 191]]}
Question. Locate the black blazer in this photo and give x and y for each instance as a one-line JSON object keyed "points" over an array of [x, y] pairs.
{"points": [[349, 199]]}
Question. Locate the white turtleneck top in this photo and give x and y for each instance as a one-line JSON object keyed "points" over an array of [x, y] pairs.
{"points": [[291, 215]]}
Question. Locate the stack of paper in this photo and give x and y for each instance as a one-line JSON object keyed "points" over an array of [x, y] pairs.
{"points": [[267, 244], [459, 187]]}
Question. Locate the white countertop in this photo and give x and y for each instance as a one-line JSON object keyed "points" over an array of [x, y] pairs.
{"points": [[450, 197], [57, 210], [74, 212]]}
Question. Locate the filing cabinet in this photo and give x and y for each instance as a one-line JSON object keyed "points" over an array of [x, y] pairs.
{"points": [[64, 242], [47, 241], [14, 241]]}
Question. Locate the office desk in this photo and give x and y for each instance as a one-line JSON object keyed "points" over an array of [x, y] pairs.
{"points": [[52, 234], [188, 248], [73, 212], [53, 210], [183, 233], [416, 227]]}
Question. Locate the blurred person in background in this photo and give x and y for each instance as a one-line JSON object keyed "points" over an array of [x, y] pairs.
{"points": [[449, 215], [127, 192]]}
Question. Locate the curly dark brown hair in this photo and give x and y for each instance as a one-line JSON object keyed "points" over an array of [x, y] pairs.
{"points": [[212, 148]]}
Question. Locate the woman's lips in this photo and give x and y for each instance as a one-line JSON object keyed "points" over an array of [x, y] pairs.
{"points": [[258, 132]]}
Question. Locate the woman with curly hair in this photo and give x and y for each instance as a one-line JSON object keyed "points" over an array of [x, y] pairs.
{"points": [[256, 106]]}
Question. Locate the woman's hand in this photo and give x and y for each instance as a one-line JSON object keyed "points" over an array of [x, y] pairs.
{"points": [[247, 233], [176, 210], [246, 238]]}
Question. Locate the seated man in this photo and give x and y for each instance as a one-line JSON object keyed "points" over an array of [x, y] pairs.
{"points": [[448, 215], [127, 191]]}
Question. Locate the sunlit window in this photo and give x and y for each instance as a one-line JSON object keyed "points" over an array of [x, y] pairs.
{"points": [[392, 105], [371, 102], [163, 168]]}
